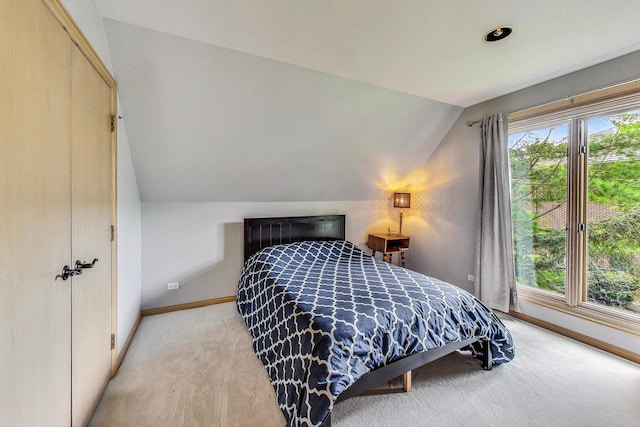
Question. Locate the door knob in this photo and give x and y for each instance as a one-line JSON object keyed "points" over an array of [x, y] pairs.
{"points": [[80, 265], [68, 272]]}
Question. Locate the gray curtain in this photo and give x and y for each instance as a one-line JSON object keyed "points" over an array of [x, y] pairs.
{"points": [[495, 282]]}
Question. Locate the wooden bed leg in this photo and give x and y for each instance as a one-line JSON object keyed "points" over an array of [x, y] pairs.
{"points": [[406, 381]]}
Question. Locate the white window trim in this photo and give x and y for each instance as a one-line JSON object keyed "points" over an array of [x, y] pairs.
{"points": [[603, 101], [588, 311]]}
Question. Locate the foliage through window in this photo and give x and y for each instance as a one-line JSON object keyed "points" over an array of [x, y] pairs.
{"points": [[575, 185]]}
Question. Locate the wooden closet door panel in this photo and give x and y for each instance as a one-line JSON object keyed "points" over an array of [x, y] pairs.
{"points": [[35, 232], [91, 236]]}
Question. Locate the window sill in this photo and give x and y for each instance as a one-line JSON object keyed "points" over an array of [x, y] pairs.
{"points": [[618, 320]]}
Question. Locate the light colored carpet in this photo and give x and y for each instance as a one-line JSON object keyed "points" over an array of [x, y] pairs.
{"points": [[197, 368]]}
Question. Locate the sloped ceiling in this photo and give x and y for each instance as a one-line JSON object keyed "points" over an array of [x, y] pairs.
{"points": [[211, 124], [288, 100]]}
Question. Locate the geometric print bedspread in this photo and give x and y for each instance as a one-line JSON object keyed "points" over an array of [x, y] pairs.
{"points": [[323, 314]]}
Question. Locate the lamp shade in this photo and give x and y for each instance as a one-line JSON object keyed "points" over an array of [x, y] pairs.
{"points": [[401, 200]]}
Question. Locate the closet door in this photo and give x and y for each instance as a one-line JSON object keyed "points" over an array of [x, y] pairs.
{"points": [[35, 225], [91, 236]]}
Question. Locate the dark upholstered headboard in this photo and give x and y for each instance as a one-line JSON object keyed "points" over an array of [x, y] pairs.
{"points": [[263, 232]]}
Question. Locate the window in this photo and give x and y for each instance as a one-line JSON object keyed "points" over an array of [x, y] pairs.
{"points": [[575, 181]]}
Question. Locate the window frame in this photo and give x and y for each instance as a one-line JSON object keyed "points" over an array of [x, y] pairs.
{"points": [[577, 111]]}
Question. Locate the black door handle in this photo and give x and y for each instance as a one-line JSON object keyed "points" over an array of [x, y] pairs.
{"points": [[81, 265], [68, 272]]}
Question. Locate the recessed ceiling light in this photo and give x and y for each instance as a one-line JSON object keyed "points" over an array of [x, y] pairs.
{"points": [[498, 33]]}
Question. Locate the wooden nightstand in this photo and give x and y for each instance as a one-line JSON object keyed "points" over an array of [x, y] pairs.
{"points": [[388, 244]]}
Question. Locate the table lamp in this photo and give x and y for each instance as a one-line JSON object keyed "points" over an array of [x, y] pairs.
{"points": [[401, 200]]}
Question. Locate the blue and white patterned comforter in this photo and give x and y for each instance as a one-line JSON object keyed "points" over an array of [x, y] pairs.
{"points": [[322, 314]]}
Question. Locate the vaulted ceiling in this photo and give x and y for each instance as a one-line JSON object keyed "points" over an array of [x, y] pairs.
{"points": [[287, 100]]}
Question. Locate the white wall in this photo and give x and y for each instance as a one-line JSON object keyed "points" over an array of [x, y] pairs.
{"points": [[200, 245], [86, 15], [129, 237], [447, 239]]}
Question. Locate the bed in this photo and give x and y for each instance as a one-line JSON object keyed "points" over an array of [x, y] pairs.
{"points": [[329, 321]]}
